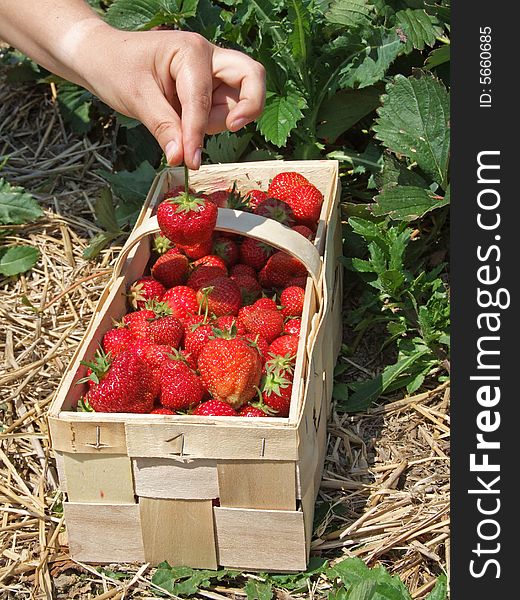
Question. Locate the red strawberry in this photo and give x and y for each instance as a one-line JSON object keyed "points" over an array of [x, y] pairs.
{"points": [[221, 297], [215, 408], [292, 327], [187, 219], [280, 269], [265, 322], [203, 276], [139, 321], [280, 211], [144, 289], [197, 338], [127, 387], [251, 411], [226, 249], [304, 230], [168, 331], [228, 198], [300, 282], [283, 183], [260, 343], [198, 250], [211, 260], [98, 367], [161, 410], [242, 269], [285, 345], [182, 300], [180, 386], [230, 370], [227, 322], [266, 303], [276, 393], [190, 320], [171, 269], [249, 288], [306, 201], [189, 359], [116, 340], [254, 197], [292, 299], [219, 198], [255, 253], [154, 355]]}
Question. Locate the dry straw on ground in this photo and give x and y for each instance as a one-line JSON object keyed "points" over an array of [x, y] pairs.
{"points": [[385, 489]]}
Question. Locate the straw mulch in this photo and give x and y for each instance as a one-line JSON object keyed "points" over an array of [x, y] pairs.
{"points": [[385, 490]]}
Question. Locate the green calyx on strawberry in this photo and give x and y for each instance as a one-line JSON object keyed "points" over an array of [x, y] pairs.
{"points": [[277, 391], [97, 368], [161, 244]]}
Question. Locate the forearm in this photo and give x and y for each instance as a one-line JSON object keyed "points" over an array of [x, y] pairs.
{"points": [[51, 32]]}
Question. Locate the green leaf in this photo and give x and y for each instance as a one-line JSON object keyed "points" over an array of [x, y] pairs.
{"points": [[135, 15], [16, 205], [440, 591], [366, 229], [406, 203], [349, 570], [345, 109], [98, 242], [349, 13], [258, 590], [280, 116], [299, 38], [207, 21], [75, 103], [372, 61], [369, 391], [395, 172], [437, 57], [414, 121], [105, 211], [131, 186], [418, 27], [227, 147], [17, 259], [126, 122]]}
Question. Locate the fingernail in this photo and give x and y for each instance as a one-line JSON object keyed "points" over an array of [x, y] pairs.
{"points": [[170, 150], [239, 123], [197, 158]]}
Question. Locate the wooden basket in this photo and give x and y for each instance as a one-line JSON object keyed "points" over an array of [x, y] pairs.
{"points": [[206, 491]]}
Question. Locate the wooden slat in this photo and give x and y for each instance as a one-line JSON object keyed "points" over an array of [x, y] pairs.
{"points": [[179, 531], [58, 456], [267, 540], [211, 441], [260, 485], [169, 478], [104, 533], [100, 479], [88, 437]]}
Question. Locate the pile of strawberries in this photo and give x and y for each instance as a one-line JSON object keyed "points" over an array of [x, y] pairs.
{"points": [[214, 328]]}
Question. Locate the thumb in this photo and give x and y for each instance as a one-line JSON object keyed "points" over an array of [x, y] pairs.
{"points": [[163, 122]]}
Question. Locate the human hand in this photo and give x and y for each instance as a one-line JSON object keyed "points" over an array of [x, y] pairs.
{"points": [[179, 85]]}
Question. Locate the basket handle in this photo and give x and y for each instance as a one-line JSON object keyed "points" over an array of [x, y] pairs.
{"points": [[248, 224]]}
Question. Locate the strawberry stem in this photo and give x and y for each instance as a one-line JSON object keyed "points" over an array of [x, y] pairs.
{"points": [[186, 181]]}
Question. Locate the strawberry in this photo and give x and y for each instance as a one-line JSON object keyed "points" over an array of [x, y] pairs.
{"points": [[283, 183], [226, 249], [227, 322], [211, 260], [265, 322], [161, 410], [221, 297], [249, 288], [98, 367], [197, 338], [228, 199], [116, 340], [266, 303], [251, 411], [180, 386], [230, 370], [187, 219], [306, 201], [139, 321], [198, 250], [241, 269], [189, 359], [255, 253], [300, 281], [191, 320], [171, 269], [260, 343], [292, 299], [161, 244], [215, 408], [219, 198], [166, 331], [285, 345], [280, 269], [144, 289], [154, 355], [276, 393], [127, 387], [280, 211], [304, 230], [203, 276], [182, 300], [292, 327], [254, 197]]}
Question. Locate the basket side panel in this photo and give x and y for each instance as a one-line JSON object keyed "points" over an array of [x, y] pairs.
{"points": [[88, 437], [168, 478], [266, 540], [99, 479], [255, 484], [104, 533], [179, 531]]}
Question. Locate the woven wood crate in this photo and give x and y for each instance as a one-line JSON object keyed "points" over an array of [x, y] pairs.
{"points": [[143, 488]]}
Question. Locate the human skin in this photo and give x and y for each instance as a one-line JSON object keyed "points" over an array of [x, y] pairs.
{"points": [[179, 85]]}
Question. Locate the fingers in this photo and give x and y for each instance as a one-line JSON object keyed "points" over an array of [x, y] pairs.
{"points": [[244, 74], [194, 83], [224, 100], [157, 114]]}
